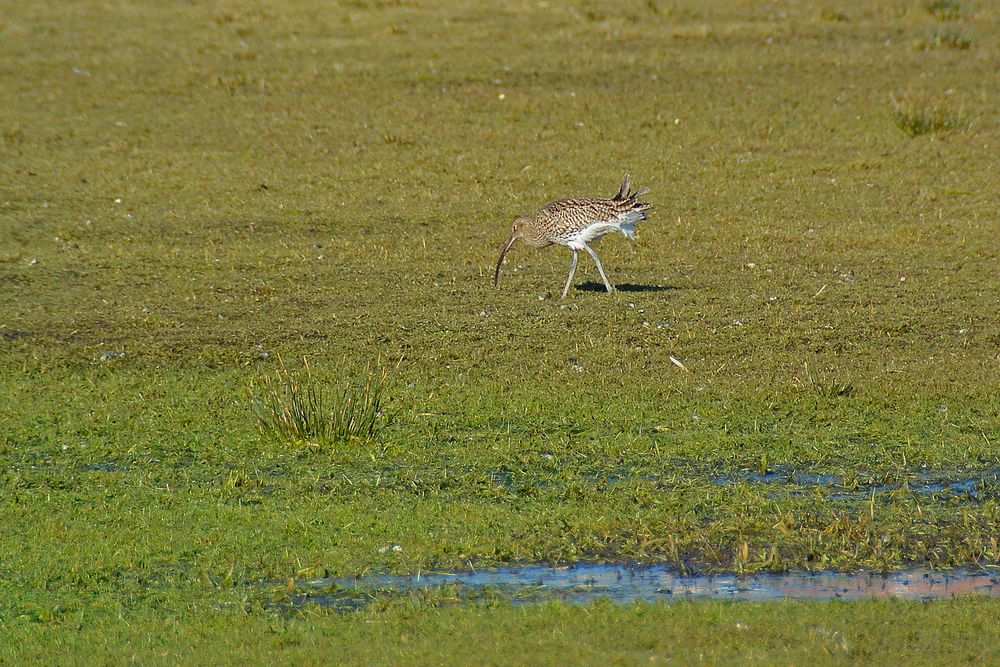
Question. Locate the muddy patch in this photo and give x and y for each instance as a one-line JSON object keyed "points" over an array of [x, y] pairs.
{"points": [[583, 584], [13, 334], [107, 466]]}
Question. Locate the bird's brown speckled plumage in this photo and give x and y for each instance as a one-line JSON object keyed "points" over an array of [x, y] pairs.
{"points": [[576, 222]]}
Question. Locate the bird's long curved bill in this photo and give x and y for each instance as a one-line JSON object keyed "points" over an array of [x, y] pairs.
{"points": [[496, 274]]}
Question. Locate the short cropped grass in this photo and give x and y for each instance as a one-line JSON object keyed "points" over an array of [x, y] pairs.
{"points": [[191, 190], [425, 632]]}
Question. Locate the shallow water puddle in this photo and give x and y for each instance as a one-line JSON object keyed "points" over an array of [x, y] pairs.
{"points": [[945, 484], [582, 584], [971, 486]]}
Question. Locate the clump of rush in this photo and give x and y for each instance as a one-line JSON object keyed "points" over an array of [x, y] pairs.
{"points": [[295, 405]]}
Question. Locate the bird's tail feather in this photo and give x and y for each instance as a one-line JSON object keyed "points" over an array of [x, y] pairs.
{"points": [[625, 191]]}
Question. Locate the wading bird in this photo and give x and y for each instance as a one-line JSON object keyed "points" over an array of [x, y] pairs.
{"points": [[576, 222]]}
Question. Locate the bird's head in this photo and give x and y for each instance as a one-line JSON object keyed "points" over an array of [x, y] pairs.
{"points": [[520, 226], [517, 231]]}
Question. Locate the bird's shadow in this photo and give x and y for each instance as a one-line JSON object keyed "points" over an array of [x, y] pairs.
{"points": [[593, 286]]}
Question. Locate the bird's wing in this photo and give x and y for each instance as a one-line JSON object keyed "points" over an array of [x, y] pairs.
{"points": [[578, 213]]}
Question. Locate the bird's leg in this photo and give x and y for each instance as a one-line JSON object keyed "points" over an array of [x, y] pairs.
{"points": [[572, 271], [599, 267]]}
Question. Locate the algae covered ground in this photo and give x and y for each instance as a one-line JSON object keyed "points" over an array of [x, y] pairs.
{"points": [[800, 371]]}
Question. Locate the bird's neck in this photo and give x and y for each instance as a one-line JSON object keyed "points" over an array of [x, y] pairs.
{"points": [[535, 237]]}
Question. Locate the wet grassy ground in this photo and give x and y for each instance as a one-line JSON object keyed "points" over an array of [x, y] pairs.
{"points": [[416, 633], [189, 191]]}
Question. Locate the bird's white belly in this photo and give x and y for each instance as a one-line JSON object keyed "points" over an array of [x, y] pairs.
{"points": [[590, 233]]}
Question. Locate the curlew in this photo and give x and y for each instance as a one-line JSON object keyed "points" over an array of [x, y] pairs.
{"points": [[575, 223]]}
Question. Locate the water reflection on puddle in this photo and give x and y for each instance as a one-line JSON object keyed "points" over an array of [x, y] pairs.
{"points": [[585, 583]]}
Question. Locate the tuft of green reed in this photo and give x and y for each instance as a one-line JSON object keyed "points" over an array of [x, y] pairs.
{"points": [[945, 10], [915, 119], [295, 405], [946, 39]]}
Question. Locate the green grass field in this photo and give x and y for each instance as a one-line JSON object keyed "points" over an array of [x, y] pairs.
{"points": [[191, 191]]}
